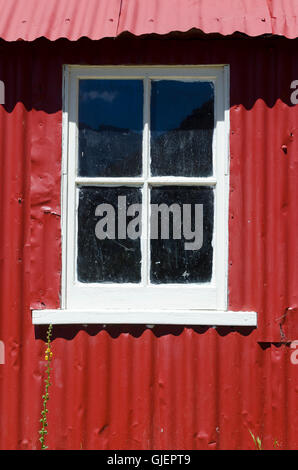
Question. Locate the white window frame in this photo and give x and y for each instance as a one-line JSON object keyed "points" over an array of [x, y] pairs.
{"points": [[195, 304]]}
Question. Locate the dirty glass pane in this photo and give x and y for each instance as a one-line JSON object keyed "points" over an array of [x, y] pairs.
{"points": [[184, 254], [110, 128], [182, 122], [100, 213]]}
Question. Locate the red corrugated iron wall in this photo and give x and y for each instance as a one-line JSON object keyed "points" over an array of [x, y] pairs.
{"points": [[129, 387]]}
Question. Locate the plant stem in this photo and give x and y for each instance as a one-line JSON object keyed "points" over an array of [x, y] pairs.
{"points": [[45, 397]]}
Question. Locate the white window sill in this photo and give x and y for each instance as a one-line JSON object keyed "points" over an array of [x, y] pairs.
{"points": [[163, 317]]}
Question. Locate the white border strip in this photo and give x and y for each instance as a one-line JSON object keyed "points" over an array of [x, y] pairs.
{"points": [[64, 178], [171, 317]]}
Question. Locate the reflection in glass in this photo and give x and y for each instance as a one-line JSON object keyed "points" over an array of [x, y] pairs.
{"points": [[107, 260], [182, 123], [110, 128], [171, 262]]}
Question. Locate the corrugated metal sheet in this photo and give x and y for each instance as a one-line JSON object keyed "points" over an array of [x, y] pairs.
{"points": [[251, 17], [96, 19], [167, 388]]}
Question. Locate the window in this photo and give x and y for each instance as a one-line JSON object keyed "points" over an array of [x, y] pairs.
{"points": [[145, 196]]}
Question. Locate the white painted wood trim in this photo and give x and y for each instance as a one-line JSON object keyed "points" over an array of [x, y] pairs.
{"points": [[78, 298], [64, 181], [171, 72], [163, 317], [153, 180]]}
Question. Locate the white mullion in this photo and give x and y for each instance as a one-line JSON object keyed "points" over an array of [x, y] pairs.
{"points": [[146, 125], [182, 181], [109, 181], [144, 239], [146, 169]]}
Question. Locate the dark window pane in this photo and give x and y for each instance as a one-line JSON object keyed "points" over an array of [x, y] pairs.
{"points": [[187, 258], [110, 127], [182, 122], [107, 260]]}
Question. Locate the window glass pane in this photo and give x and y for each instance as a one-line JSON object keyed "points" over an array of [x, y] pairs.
{"points": [[100, 215], [184, 254], [110, 127], [182, 122]]}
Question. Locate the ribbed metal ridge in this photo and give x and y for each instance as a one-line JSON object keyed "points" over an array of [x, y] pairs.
{"points": [[97, 19]]}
